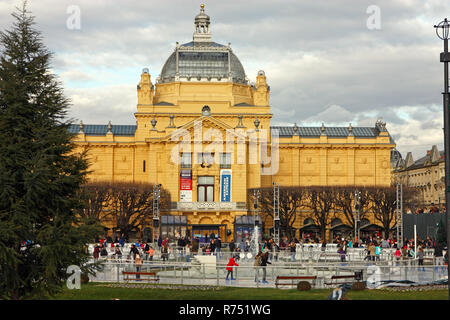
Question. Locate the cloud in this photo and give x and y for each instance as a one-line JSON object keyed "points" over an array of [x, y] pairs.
{"points": [[333, 115], [75, 75], [319, 57], [99, 105]]}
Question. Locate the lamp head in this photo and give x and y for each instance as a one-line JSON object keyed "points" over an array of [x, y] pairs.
{"points": [[442, 29]]}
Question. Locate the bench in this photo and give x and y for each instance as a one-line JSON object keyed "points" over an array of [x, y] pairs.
{"points": [[152, 276], [291, 279], [334, 279]]}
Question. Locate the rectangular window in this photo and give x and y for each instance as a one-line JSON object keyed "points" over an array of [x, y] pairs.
{"points": [[205, 180], [186, 160], [209, 193], [201, 193], [206, 158], [205, 189], [225, 160]]}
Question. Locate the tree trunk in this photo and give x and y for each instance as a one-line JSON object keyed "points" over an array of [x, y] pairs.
{"points": [[323, 232]]}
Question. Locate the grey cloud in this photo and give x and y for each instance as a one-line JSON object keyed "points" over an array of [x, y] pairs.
{"points": [[316, 54], [99, 105], [333, 115]]}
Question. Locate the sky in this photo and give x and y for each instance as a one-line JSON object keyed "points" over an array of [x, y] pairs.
{"points": [[335, 61]]}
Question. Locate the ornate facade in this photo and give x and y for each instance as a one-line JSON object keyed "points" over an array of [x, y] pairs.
{"points": [[204, 103], [427, 175]]}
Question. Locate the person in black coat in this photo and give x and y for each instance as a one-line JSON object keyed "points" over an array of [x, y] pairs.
{"points": [[264, 262], [134, 251], [181, 242], [181, 245], [218, 243], [232, 246], [160, 242], [212, 245], [146, 248]]}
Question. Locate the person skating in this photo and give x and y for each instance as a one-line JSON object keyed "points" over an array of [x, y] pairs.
{"points": [[257, 265], [229, 268], [371, 248], [138, 263], [342, 253], [421, 255], [134, 251], [96, 252], [264, 262]]}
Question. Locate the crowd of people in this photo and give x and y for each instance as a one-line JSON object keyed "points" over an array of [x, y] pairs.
{"points": [[146, 250], [267, 250], [374, 244], [431, 209], [183, 246]]}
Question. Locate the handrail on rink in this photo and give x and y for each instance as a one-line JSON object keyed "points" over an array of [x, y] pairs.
{"points": [[374, 273]]}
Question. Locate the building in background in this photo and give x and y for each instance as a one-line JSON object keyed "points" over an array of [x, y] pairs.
{"points": [[427, 175], [203, 91]]}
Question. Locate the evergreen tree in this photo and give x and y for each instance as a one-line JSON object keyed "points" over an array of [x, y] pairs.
{"points": [[40, 176], [441, 235]]}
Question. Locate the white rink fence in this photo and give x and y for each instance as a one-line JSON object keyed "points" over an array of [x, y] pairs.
{"points": [[308, 260], [303, 253]]}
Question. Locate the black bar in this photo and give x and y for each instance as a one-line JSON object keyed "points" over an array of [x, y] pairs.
{"points": [[446, 106]]}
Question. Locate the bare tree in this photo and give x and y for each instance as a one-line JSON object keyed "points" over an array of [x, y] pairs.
{"points": [[412, 199], [96, 197], [345, 203], [320, 200], [291, 199], [132, 205], [384, 206]]}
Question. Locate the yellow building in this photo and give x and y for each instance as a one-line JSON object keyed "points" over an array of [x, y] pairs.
{"points": [[203, 102]]}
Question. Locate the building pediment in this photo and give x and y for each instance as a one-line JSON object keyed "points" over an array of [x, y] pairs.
{"points": [[203, 124]]}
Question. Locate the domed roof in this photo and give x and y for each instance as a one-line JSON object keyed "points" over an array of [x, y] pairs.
{"points": [[202, 59], [200, 64]]}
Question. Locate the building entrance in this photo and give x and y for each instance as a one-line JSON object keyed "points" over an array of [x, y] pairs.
{"points": [[205, 232]]}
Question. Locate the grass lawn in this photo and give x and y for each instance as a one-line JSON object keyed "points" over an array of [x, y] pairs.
{"points": [[97, 291]]}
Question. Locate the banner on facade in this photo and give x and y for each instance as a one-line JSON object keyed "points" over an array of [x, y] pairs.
{"points": [[225, 185], [186, 185]]}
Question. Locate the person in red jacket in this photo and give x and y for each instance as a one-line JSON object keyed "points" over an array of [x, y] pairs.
{"points": [[96, 252], [229, 268]]}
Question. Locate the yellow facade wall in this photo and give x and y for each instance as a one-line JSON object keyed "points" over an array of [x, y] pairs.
{"points": [[304, 161]]}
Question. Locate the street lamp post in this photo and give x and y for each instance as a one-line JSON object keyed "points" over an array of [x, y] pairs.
{"points": [[276, 213], [442, 31], [357, 204], [399, 212], [256, 195], [156, 206]]}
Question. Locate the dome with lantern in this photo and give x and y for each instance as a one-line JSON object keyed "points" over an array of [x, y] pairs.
{"points": [[203, 59]]}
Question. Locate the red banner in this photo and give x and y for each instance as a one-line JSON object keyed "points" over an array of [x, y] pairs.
{"points": [[186, 180]]}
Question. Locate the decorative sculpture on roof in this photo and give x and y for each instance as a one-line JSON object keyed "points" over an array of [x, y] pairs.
{"points": [[145, 88], [261, 90]]}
